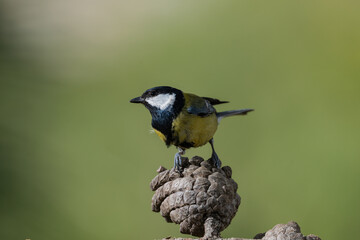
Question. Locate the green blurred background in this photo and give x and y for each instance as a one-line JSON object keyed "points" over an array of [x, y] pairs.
{"points": [[76, 157]]}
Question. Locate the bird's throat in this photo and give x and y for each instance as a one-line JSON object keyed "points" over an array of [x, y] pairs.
{"points": [[162, 124]]}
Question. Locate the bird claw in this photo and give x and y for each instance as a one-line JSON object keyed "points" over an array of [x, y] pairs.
{"points": [[178, 162], [216, 160], [214, 156]]}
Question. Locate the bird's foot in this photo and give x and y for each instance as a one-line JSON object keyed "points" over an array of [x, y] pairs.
{"points": [[216, 160], [178, 163]]}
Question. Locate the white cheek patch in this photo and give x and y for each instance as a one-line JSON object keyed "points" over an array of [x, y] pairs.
{"points": [[162, 101]]}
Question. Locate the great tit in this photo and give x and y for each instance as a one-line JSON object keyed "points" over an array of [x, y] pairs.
{"points": [[184, 119]]}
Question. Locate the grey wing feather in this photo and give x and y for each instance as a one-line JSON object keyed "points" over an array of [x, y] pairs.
{"points": [[201, 109]]}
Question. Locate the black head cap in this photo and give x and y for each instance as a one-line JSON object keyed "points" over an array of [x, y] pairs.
{"points": [[160, 90], [155, 91]]}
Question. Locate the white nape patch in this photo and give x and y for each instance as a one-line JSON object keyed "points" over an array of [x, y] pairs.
{"points": [[162, 101]]}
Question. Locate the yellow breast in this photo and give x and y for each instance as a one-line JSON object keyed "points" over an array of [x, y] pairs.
{"points": [[191, 128], [160, 134], [195, 130]]}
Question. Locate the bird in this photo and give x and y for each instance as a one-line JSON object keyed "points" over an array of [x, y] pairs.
{"points": [[184, 120]]}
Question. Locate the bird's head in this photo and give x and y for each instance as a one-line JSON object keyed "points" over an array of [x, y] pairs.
{"points": [[159, 99]]}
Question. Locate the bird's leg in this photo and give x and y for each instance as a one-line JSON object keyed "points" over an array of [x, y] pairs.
{"points": [[214, 156], [177, 160]]}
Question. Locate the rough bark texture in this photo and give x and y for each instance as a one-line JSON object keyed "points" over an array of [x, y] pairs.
{"points": [[289, 231], [203, 199]]}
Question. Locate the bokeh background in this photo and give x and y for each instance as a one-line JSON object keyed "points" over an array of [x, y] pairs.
{"points": [[76, 157]]}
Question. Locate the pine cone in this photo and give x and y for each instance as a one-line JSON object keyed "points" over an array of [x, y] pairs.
{"points": [[203, 199]]}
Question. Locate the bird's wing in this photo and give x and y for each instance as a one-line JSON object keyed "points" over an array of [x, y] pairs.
{"points": [[214, 101], [199, 106]]}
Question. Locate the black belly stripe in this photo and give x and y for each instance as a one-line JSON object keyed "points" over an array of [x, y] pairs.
{"points": [[186, 145]]}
